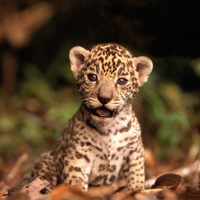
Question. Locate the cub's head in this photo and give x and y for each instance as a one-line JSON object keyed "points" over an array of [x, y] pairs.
{"points": [[108, 77]]}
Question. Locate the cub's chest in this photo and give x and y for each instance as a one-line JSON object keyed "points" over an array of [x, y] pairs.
{"points": [[108, 163]]}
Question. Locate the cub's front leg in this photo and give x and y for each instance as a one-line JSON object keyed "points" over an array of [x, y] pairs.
{"points": [[77, 168], [134, 169]]}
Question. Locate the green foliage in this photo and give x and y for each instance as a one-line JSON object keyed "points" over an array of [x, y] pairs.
{"points": [[35, 84], [35, 116], [196, 66], [63, 112], [173, 112]]}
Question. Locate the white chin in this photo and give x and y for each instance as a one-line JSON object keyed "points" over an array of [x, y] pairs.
{"points": [[98, 118]]}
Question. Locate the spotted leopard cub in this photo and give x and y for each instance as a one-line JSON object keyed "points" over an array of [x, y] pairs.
{"points": [[104, 136]]}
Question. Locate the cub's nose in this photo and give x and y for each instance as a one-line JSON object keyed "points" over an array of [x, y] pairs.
{"points": [[104, 100], [105, 90]]}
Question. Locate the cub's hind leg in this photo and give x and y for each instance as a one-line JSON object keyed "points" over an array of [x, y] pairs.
{"points": [[45, 169]]}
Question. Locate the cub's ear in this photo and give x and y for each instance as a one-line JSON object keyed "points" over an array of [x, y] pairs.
{"points": [[77, 56], [143, 66]]}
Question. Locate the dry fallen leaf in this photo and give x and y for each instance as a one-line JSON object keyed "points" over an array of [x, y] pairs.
{"points": [[37, 189], [3, 194], [64, 192], [18, 197], [119, 195], [167, 181], [189, 194], [152, 191]]}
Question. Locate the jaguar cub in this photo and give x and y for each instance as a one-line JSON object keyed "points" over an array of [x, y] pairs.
{"points": [[104, 136]]}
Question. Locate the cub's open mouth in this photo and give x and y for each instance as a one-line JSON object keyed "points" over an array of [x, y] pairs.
{"points": [[102, 112]]}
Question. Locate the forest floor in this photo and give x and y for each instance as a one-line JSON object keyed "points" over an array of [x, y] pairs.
{"points": [[179, 184]]}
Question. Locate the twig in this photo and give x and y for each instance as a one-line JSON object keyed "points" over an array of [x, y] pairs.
{"points": [[17, 166]]}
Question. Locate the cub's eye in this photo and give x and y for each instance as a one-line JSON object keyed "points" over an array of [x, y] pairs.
{"points": [[92, 77], [122, 81]]}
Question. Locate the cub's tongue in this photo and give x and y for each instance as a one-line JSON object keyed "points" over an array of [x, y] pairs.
{"points": [[103, 112]]}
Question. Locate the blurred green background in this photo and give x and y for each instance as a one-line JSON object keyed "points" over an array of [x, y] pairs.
{"points": [[38, 94]]}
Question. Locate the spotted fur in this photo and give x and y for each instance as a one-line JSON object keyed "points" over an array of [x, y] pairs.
{"points": [[104, 136]]}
